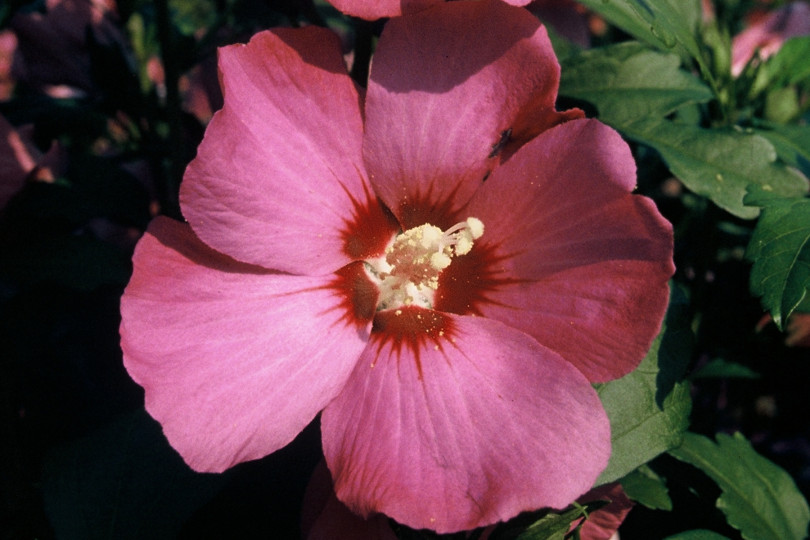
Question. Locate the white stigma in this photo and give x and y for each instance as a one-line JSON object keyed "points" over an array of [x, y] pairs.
{"points": [[408, 274]]}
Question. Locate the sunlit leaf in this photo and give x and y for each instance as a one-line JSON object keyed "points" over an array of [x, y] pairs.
{"points": [[649, 408], [780, 251], [669, 25], [629, 81], [758, 498], [718, 163]]}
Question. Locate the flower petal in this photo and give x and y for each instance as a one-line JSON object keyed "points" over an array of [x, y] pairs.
{"points": [[376, 9], [451, 87], [577, 262], [235, 360], [324, 517], [602, 524], [461, 425], [278, 180]]}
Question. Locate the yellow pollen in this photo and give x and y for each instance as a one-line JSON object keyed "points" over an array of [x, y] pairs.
{"points": [[409, 272]]}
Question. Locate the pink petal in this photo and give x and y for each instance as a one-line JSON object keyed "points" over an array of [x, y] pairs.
{"points": [[278, 180], [576, 261], [603, 523], [446, 87], [768, 35], [452, 423], [235, 360], [376, 9]]}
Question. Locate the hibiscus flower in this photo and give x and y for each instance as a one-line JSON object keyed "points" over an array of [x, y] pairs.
{"points": [[442, 264], [766, 35]]}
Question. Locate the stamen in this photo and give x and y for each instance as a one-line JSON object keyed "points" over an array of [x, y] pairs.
{"points": [[409, 273]]}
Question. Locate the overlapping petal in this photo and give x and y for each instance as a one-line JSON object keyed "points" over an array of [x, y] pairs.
{"points": [[443, 104], [466, 426], [324, 517], [577, 261], [603, 523], [235, 360], [279, 180], [376, 9]]}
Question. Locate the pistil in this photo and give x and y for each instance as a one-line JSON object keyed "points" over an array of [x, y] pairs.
{"points": [[408, 274]]}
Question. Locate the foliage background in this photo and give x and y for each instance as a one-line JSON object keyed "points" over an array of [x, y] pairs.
{"points": [[81, 459]]}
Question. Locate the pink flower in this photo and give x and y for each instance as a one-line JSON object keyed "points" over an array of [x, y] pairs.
{"points": [[324, 517], [377, 9], [602, 524], [454, 369], [767, 35]]}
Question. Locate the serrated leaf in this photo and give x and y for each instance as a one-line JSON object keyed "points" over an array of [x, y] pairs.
{"points": [[780, 251], [758, 498], [697, 534], [717, 163], [720, 368], [628, 81], [649, 408], [647, 488], [665, 24]]}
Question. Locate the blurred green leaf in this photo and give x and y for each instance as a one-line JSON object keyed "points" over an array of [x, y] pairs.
{"points": [[792, 143], [697, 534], [788, 66], [123, 482], [780, 251], [720, 368], [645, 487], [628, 81], [717, 163], [649, 408], [666, 24], [758, 498]]}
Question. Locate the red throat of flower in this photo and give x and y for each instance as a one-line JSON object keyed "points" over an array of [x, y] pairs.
{"points": [[408, 274]]}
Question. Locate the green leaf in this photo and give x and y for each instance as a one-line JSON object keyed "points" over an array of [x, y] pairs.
{"points": [[758, 498], [792, 143], [720, 368], [780, 251], [665, 24], [649, 408], [697, 534], [787, 67], [554, 526], [647, 488], [717, 163], [628, 81]]}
